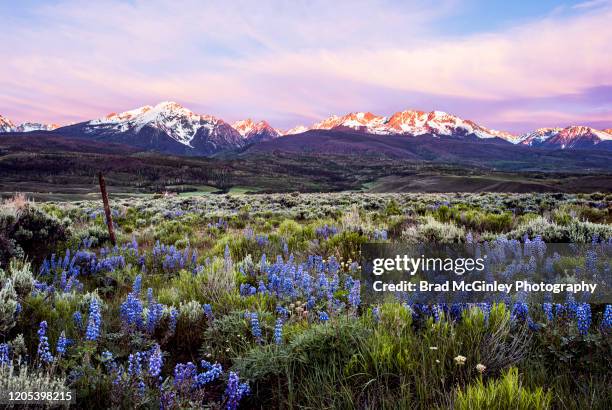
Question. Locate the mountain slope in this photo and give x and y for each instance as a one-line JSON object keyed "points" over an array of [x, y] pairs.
{"points": [[409, 122], [574, 137], [35, 126], [166, 127], [472, 151], [255, 132], [6, 125]]}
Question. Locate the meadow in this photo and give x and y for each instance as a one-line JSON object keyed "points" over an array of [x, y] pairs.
{"points": [[254, 301]]}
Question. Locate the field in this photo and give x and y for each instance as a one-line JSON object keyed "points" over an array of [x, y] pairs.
{"points": [[254, 301], [64, 169]]}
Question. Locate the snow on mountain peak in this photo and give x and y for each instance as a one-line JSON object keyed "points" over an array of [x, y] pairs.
{"points": [[355, 120], [260, 131], [298, 129], [408, 122], [35, 126], [568, 137], [170, 117], [6, 125]]}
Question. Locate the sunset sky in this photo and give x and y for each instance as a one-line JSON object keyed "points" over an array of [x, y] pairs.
{"points": [[507, 65]]}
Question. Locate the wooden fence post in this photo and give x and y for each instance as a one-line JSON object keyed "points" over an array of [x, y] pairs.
{"points": [[107, 210]]}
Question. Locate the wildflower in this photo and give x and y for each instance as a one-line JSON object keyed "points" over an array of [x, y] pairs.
{"points": [[235, 391], [4, 354], [460, 360], [184, 374], [43, 343], [136, 286], [481, 368], [77, 317], [154, 315], [278, 332], [141, 388], [548, 311], [354, 296], [606, 322], [208, 311], [323, 316], [583, 318], [282, 311], [255, 329], [173, 320], [520, 311], [435, 312], [95, 319], [62, 344], [213, 372], [156, 361], [135, 365], [131, 310], [376, 314], [108, 360]]}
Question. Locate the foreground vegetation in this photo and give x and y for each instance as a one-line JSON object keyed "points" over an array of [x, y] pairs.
{"points": [[254, 301]]}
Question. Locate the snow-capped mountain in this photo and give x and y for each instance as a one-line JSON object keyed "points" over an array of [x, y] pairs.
{"points": [[298, 129], [409, 122], [167, 127], [6, 125], [538, 137], [563, 138], [255, 132], [35, 126]]}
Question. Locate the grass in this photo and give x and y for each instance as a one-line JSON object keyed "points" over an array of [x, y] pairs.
{"points": [[220, 249]]}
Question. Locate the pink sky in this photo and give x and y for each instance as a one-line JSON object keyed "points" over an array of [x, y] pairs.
{"points": [[297, 62]]}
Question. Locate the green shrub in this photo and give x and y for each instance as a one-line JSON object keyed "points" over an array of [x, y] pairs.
{"points": [[19, 379], [506, 393], [433, 231], [308, 371], [30, 232]]}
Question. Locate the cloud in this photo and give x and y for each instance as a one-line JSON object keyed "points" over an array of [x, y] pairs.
{"points": [[294, 61]]}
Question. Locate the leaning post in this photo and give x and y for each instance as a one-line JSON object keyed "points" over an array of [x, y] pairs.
{"points": [[107, 210]]}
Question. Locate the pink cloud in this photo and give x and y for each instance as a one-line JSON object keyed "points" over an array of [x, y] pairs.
{"points": [[293, 62]]}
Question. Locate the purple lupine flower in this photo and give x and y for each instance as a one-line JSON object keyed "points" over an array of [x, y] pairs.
{"points": [[173, 319], [354, 296], [62, 344], [137, 285], [235, 391], [208, 311], [77, 317], [95, 320], [184, 374], [278, 332], [376, 314], [255, 328], [154, 315], [131, 310], [520, 311], [606, 322], [212, 372], [156, 361], [4, 354], [323, 316], [583, 318], [548, 311], [44, 352]]}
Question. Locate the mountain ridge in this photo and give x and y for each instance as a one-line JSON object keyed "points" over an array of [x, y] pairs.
{"points": [[169, 127]]}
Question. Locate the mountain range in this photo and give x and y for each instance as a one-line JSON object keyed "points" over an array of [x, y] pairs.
{"points": [[170, 128]]}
